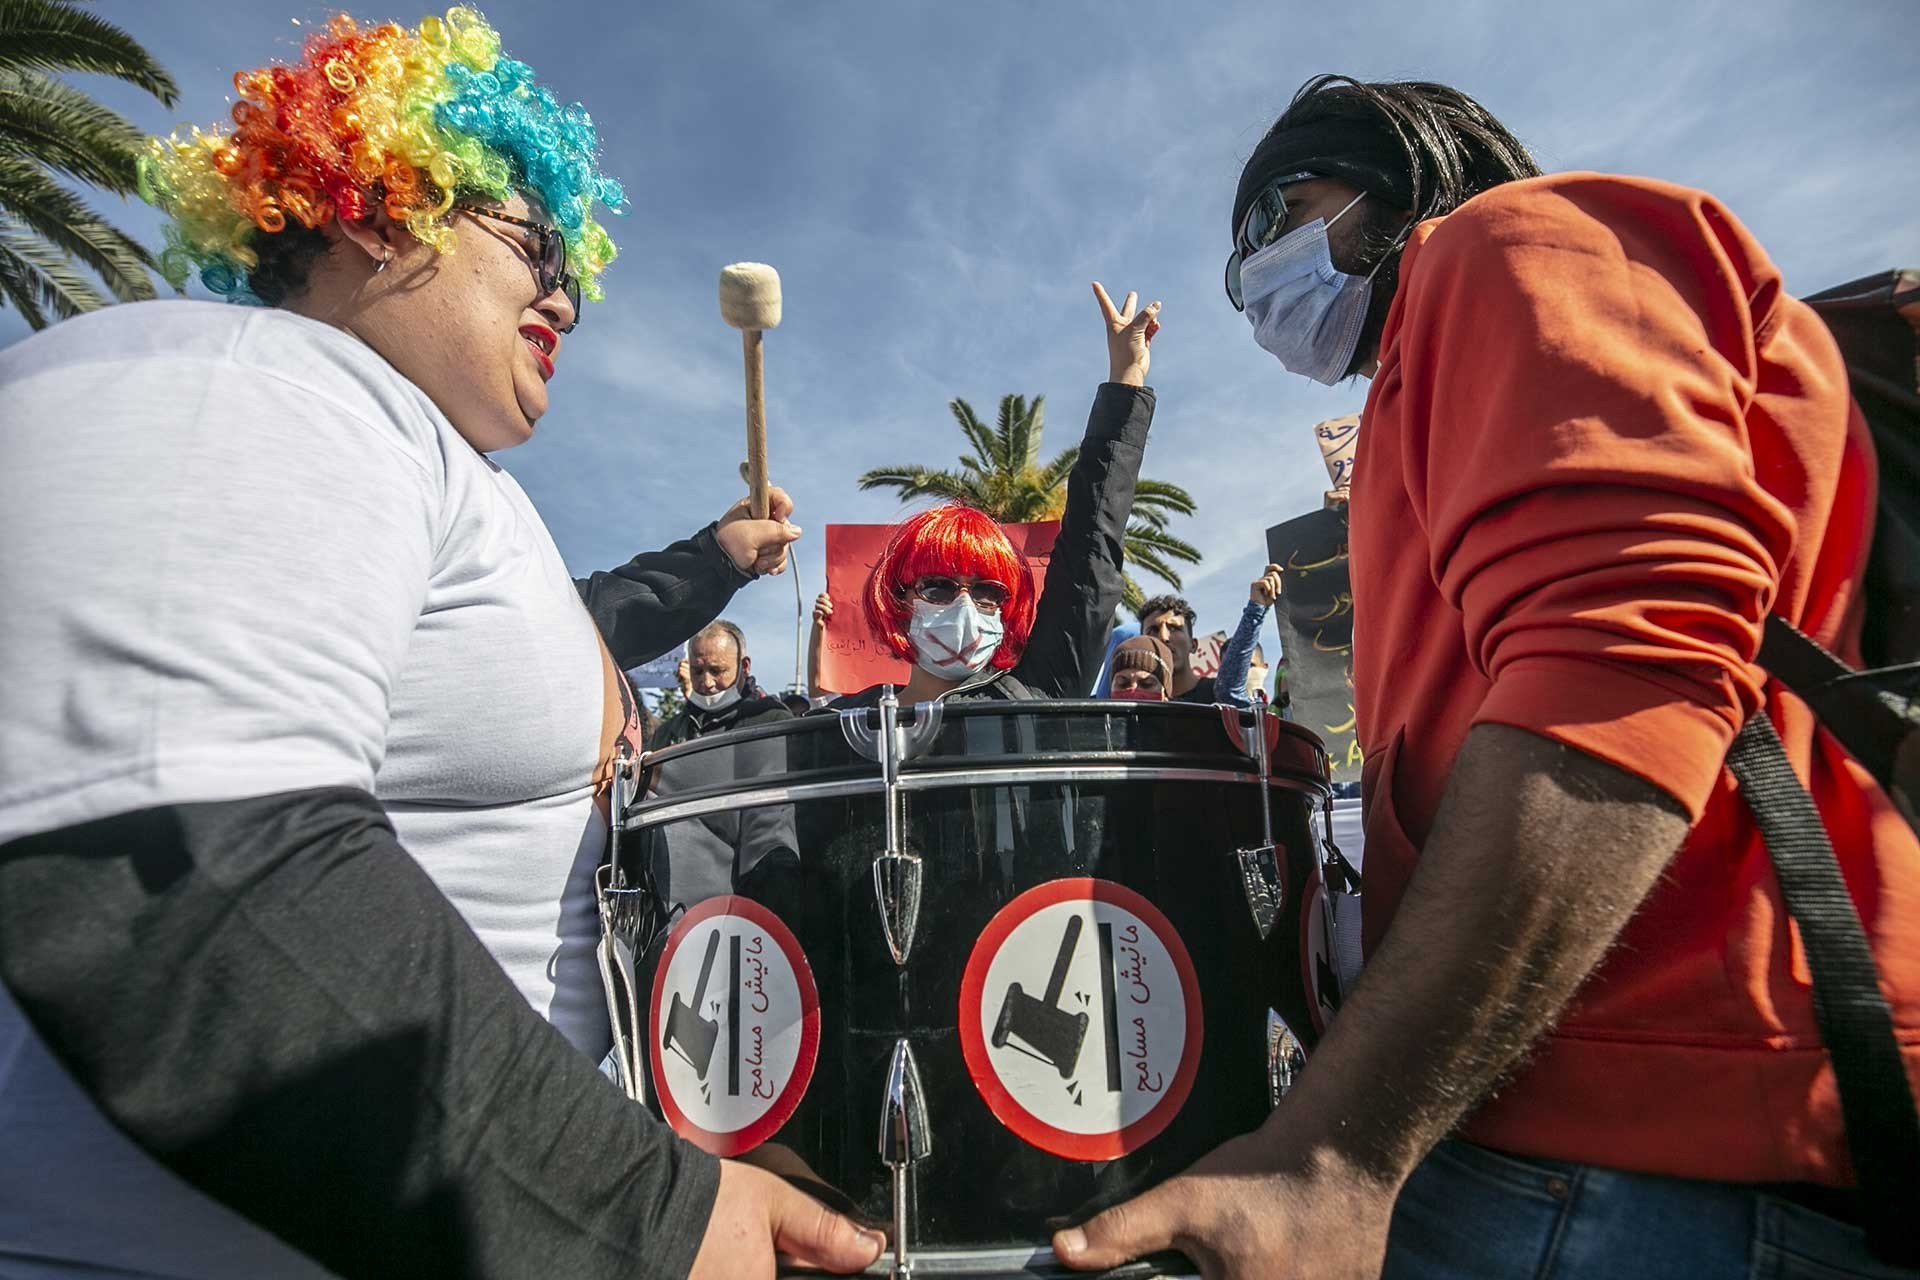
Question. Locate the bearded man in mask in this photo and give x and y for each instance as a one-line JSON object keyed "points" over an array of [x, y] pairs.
{"points": [[721, 694], [950, 595], [1602, 445]]}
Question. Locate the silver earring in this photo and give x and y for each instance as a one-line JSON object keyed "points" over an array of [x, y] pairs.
{"points": [[383, 264]]}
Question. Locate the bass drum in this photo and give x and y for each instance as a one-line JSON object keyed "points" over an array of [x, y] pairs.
{"points": [[974, 972]]}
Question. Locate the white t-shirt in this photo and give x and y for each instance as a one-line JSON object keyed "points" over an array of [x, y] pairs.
{"points": [[243, 555]]}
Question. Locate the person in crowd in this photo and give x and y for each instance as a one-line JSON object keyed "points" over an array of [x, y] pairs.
{"points": [[722, 851], [1169, 619], [1602, 445], [796, 701], [1234, 682], [950, 595], [289, 662], [721, 693], [1142, 671]]}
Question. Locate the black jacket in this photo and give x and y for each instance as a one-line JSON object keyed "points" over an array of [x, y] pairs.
{"points": [[691, 722], [659, 598], [1084, 575]]}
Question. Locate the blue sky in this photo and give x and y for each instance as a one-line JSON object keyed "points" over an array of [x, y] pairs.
{"points": [[938, 183]]}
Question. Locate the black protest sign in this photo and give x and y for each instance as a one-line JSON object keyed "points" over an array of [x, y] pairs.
{"points": [[1316, 631]]}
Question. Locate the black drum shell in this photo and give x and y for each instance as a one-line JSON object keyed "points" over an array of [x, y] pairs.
{"points": [[1005, 797]]}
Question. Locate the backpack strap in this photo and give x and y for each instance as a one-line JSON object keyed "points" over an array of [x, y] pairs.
{"points": [[1857, 707], [1876, 1102]]}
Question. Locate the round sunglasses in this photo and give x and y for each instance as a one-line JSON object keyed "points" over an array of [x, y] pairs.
{"points": [[987, 597]]}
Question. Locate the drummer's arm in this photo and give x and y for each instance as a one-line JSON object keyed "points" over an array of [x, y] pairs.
{"points": [[1084, 578], [660, 598], [273, 999]]}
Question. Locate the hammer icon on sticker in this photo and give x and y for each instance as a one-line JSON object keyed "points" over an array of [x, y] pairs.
{"points": [[1043, 1028]]}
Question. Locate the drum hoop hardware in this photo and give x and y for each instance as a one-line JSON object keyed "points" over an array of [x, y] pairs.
{"points": [[897, 872], [1021, 1263], [1286, 1058], [1260, 867], [799, 793], [906, 1137]]}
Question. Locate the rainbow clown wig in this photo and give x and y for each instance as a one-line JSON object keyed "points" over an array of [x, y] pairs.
{"points": [[952, 541], [369, 119]]}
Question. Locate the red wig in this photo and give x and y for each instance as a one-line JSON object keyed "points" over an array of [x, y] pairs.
{"points": [[953, 541]]}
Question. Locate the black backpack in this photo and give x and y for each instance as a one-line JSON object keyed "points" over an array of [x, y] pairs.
{"points": [[1874, 713]]}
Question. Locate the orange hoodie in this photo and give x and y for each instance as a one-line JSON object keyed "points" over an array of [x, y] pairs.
{"points": [[1602, 444]]}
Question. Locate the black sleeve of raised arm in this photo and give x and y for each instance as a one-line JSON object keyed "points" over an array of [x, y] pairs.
{"points": [[1084, 577], [659, 598], [271, 997]]}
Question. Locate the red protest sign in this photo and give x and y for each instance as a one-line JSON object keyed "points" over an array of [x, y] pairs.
{"points": [[852, 658]]}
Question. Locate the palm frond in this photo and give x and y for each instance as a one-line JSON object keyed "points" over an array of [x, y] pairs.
{"points": [[39, 282], [922, 482], [64, 129], [1029, 423], [1153, 564], [31, 197], [977, 433], [1054, 474], [53, 35], [1158, 493], [1010, 411], [1159, 540], [948, 487], [1131, 596]]}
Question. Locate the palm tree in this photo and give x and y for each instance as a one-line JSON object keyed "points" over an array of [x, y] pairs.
{"points": [[49, 129], [1004, 477]]}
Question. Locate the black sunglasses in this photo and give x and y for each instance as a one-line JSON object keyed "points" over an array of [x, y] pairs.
{"points": [[549, 260], [1266, 217]]}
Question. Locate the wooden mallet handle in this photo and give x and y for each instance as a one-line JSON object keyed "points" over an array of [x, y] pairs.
{"points": [[758, 503], [750, 302]]}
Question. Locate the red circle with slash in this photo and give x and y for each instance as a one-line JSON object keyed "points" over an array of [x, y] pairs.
{"points": [[1099, 1133], [698, 1038]]}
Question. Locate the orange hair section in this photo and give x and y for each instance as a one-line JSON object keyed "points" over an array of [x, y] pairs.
{"points": [[952, 541]]}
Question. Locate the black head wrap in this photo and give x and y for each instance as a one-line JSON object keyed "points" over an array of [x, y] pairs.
{"points": [[1367, 153]]}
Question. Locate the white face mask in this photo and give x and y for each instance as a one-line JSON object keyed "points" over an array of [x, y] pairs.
{"points": [[714, 701], [954, 641], [1304, 312]]}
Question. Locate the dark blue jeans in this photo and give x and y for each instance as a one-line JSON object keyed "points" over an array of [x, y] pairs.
{"points": [[1474, 1214]]}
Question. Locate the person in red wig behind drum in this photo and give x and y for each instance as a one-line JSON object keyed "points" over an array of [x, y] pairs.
{"points": [[951, 596]]}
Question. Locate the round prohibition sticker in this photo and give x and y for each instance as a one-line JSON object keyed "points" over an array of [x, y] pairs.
{"points": [[735, 1025], [1080, 1019]]}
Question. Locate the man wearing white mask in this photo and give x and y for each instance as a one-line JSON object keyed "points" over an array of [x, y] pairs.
{"points": [[950, 595], [721, 693], [1604, 447]]}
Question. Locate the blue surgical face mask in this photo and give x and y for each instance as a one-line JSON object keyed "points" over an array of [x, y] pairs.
{"points": [[1306, 313]]}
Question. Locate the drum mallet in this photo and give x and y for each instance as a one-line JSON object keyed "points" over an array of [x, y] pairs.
{"points": [[750, 302]]}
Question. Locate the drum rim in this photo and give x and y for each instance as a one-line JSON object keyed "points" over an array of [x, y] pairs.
{"points": [[977, 707], [681, 808]]}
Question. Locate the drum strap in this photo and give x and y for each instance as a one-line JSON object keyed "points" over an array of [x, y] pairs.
{"points": [[1876, 1102]]}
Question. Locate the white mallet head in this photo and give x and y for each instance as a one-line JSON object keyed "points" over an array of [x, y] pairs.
{"points": [[750, 296]]}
